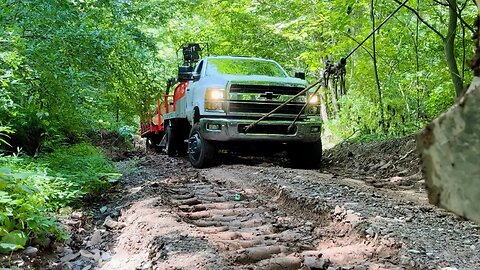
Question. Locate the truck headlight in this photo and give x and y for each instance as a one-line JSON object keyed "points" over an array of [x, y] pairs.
{"points": [[214, 94], [314, 99], [214, 98]]}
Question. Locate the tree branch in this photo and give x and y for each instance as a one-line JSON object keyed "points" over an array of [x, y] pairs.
{"points": [[459, 16], [423, 21], [458, 12], [440, 3]]}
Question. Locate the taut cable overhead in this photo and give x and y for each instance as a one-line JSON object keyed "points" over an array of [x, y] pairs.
{"points": [[330, 69]]}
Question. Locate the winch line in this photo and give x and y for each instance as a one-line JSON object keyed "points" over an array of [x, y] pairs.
{"points": [[282, 105], [343, 60], [376, 29]]}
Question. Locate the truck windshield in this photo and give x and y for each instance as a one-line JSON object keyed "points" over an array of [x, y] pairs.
{"points": [[244, 66]]}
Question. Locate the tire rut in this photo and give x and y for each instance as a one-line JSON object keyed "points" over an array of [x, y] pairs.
{"points": [[252, 232]]}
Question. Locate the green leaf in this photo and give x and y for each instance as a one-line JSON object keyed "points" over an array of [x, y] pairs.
{"points": [[17, 238], [3, 231], [6, 248], [5, 198]]}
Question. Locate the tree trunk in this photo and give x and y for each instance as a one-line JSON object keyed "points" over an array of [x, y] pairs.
{"points": [[323, 106], [118, 109], [417, 63], [449, 43], [374, 53]]}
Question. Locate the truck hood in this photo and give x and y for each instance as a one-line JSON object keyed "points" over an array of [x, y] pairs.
{"points": [[262, 80]]}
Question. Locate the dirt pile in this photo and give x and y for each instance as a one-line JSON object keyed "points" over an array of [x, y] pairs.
{"points": [[392, 163]]}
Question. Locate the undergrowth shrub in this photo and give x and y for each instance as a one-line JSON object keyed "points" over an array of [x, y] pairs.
{"points": [[26, 199], [32, 190], [83, 166]]}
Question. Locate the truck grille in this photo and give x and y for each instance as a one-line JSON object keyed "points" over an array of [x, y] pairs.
{"points": [[260, 89], [263, 107], [261, 99], [268, 129]]}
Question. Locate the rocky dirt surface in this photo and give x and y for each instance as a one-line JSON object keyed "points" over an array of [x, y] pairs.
{"points": [[394, 163], [257, 213]]}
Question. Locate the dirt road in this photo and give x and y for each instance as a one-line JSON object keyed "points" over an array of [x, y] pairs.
{"points": [[255, 214]]}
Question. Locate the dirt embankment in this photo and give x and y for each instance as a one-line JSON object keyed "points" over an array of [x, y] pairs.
{"points": [[394, 163]]}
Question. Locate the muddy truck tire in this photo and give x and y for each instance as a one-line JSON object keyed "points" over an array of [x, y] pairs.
{"points": [[201, 152]]}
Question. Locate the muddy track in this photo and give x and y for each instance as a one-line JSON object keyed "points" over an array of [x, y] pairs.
{"points": [[253, 232], [259, 215]]}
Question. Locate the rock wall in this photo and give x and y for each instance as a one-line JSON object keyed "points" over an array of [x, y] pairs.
{"points": [[450, 151]]}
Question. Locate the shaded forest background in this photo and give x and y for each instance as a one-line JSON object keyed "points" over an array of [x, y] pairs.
{"points": [[72, 71], [68, 68]]}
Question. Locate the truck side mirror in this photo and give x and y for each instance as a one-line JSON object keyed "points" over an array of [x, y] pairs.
{"points": [[300, 75], [185, 73], [195, 76]]}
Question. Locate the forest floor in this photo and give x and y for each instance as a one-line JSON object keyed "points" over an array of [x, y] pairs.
{"points": [[365, 209]]}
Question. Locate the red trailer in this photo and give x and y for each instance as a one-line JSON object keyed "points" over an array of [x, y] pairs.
{"points": [[152, 126]]}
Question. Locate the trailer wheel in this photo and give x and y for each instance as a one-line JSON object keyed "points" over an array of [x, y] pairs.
{"points": [[170, 145], [200, 151], [149, 144], [158, 148], [306, 155]]}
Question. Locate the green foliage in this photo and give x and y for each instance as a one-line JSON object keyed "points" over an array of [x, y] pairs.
{"points": [[70, 67], [4, 131], [438, 101], [83, 167], [25, 198], [31, 190], [66, 66], [12, 241]]}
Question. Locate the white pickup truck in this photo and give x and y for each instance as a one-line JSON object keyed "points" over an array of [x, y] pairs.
{"points": [[219, 97]]}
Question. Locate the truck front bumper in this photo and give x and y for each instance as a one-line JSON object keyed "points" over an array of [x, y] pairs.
{"points": [[222, 129]]}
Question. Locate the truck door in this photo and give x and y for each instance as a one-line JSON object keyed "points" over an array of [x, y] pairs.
{"points": [[191, 91]]}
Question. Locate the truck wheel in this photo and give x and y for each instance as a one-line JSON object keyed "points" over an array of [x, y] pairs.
{"points": [[200, 151], [306, 155], [170, 145]]}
